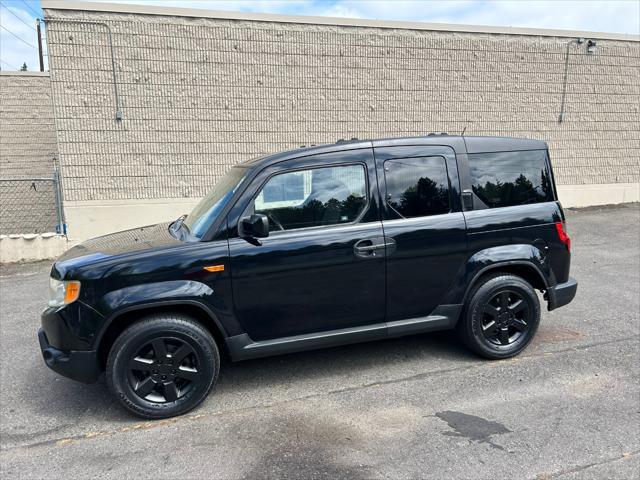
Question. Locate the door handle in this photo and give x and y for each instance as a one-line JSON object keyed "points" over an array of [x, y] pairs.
{"points": [[368, 247]]}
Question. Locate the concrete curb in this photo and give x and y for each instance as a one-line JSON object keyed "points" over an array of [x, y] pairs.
{"points": [[31, 247]]}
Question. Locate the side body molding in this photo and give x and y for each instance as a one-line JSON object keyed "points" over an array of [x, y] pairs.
{"points": [[242, 347]]}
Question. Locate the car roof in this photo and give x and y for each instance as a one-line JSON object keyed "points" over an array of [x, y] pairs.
{"points": [[474, 144], [502, 144]]}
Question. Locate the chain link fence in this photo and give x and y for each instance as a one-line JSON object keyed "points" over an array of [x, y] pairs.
{"points": [[31, 205]]}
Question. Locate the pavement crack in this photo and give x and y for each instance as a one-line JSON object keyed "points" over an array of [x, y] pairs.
{"points": [[587, 466]]}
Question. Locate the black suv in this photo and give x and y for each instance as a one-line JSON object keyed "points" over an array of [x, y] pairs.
{"points": [[320, 246]]}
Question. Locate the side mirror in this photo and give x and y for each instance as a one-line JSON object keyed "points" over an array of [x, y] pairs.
{"points": [[254, 226]]}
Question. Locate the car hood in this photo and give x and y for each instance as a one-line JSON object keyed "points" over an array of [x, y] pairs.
{"points": [[129, 241]]}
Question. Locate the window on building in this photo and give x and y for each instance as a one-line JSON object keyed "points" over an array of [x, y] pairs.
{"points": [[505, 179], [417, 187], [314, 197]]}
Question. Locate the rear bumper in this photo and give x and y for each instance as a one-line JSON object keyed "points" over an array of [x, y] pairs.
{"points": [[78, 365], [562, 294]]}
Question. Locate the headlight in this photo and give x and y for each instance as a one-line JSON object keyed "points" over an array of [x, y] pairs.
{"points": [[63, 293]]}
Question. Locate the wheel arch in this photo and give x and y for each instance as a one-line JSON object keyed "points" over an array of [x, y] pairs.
{"points": [[527, 270], [127, 316]]}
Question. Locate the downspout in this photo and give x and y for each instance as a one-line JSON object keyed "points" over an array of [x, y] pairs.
{"points": [[577, 41], [119, 115]]}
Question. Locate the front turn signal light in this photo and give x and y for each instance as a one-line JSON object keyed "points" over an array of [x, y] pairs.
{"points": [[63, 292], [72, 292]]}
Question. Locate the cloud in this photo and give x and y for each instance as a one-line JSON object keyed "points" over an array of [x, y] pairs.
{"points": [[617, 16], [610, 16]]}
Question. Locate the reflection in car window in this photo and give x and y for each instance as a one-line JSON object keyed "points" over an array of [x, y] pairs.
{"points": [[309, 198], [504, 179], [417, 187]]}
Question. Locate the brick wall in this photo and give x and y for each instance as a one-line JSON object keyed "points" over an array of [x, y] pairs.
{"points": [[200, 94], [27, 131], [27, 150]]}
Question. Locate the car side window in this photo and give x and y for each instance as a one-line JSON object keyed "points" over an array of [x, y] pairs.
{"points": [[417, 187], [504, 179], [313, 197]]}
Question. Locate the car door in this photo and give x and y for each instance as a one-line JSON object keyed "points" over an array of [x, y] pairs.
{"points": [[423, 225], [322, 266]]}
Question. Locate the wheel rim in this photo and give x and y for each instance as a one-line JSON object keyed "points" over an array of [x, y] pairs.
{"points": [[506, 318], [163, 370]]}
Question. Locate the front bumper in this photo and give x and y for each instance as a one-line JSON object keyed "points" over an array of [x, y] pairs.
{"points": [[562, 294], [78, 365]]}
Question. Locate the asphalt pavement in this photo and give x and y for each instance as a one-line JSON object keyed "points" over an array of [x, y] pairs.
{"points": [[416, 407]]}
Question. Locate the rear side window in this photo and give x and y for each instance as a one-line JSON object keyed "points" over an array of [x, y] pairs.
{"points": [[417, 187], [505, 179]]}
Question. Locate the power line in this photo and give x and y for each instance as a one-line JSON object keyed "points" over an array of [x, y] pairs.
{"points": [[19, 38], [29, 7], [7, 9], [9, 65]]}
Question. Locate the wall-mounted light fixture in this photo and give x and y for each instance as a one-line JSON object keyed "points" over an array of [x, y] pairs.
{"points": [[591, 46]]}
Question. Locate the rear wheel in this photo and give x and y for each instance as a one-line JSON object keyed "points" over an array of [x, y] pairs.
{"points": [[501, 317], [163, 365]]}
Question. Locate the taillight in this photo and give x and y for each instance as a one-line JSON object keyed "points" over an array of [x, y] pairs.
{"points": [[562, 235]]}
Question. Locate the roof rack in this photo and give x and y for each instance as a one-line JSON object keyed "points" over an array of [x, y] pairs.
{"points": [[437, 134]]}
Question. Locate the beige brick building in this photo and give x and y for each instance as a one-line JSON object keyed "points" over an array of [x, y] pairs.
{"points": [[198, 91], [27, 151]]}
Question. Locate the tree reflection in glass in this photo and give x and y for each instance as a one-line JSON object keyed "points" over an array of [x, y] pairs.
{"points": [[417, 187], [511, 178]]}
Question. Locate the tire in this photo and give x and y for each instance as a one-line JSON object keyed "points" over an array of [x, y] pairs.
{"points": [[162, 366], [492, 330]]}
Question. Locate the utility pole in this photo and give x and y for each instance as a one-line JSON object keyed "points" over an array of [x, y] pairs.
{"points": [[40, 45]]}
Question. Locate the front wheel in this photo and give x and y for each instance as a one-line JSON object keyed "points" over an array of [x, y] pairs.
{"points": [[162, 366], [501, 317]]}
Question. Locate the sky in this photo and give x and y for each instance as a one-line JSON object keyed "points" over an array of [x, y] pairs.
{"points": [[18, 40]]}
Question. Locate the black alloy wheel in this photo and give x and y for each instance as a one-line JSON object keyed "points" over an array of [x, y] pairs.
{"points": [[163, 365], [163, 370], [500, 317], [505, 318]]}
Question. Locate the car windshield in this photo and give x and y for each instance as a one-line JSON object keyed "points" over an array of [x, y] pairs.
{"points": [[200, 218]]}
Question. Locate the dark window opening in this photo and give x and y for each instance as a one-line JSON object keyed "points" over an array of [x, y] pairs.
{"points": [[314, 197], [506, 179], [417, 187]]}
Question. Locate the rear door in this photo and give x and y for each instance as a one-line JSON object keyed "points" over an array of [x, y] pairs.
{"points": [[423, 225]]}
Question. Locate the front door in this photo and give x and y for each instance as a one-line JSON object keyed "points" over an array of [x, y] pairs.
{"points": [[423, 225], [322, 266]]}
